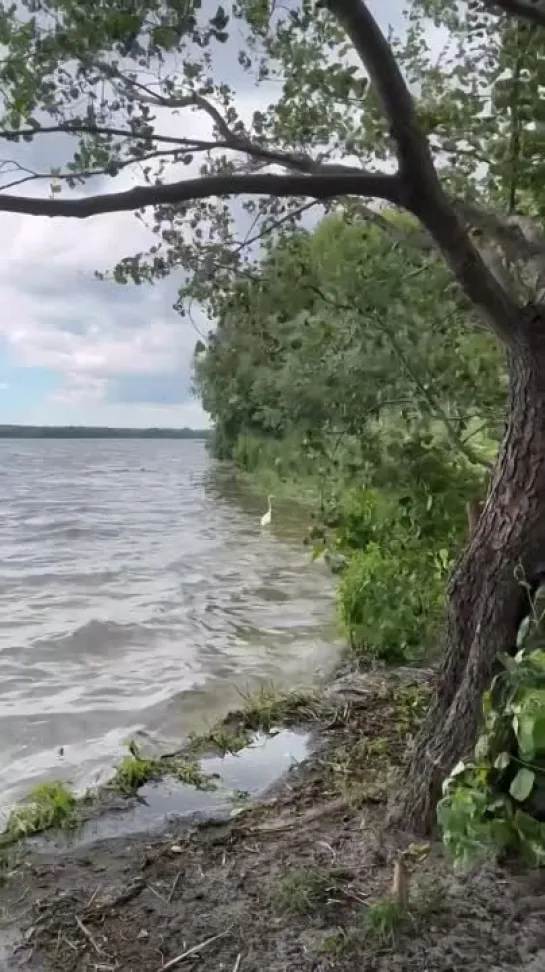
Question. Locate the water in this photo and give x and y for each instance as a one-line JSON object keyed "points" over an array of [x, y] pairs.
{"points": [[138, 595], [249, 773]]}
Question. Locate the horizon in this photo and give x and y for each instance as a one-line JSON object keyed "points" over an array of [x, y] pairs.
{"points": [[10, 430], [100, 425]]}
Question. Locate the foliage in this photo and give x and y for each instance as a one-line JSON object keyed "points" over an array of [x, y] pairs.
{"points": [[50, 804], [496, 802], [221, 738], [390, 609], [337, 331], [135, 770], [331, 364], [384, 921], [268, 708]]}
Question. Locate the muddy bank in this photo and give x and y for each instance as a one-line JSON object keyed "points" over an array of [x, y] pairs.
{"points": [[300, 882]]}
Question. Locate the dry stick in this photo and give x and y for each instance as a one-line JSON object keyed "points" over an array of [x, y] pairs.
{"points": [[88, 935], [236, 966], [400, 884], [174, 886], [157, 894], [191, 951]]}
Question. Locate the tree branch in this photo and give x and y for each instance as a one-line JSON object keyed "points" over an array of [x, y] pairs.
{"points": [[530, 10], [326, 185], [84, 175], [435, 409], [423, 194], [299, 162]]}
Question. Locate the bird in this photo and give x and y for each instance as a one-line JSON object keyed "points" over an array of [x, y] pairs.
{"points": [[266, 518]]}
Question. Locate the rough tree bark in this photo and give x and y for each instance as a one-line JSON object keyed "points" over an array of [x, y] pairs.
{"points": [[486, 599]]}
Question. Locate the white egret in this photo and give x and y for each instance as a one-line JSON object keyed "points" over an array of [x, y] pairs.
{"points": [[266, 518]]}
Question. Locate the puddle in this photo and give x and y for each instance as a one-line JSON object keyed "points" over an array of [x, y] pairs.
{"points": [[253, 770]]}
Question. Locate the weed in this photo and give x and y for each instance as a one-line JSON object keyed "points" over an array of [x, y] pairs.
{"points": [[267, 708], [188, 771], [384, 921], [336, 943], [304, 891], [135, 770], [428, 897], [222, 738], [47, 805]]}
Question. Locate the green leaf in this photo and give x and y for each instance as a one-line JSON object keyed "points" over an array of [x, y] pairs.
{"points": [[502, 761], [482, 748], [522, 785]]}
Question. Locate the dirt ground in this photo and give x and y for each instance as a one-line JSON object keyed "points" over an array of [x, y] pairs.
{"points": [[291, 886]]}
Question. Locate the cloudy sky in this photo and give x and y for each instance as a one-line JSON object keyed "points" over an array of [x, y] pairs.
{"points": [[74, 350]]}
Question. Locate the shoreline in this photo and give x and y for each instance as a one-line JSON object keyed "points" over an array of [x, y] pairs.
{"points": [[300, 879]]}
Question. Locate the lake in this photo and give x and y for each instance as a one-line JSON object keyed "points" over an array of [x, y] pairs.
{"points": [[139, 596]]}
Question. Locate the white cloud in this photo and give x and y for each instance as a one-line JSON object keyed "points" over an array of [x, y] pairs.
{"points": [[56, 315]]}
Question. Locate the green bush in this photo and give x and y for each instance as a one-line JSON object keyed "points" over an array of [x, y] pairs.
{"points": [[390, 606]]}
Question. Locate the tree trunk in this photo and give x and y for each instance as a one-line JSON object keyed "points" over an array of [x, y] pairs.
{"points": [[486, 600]]}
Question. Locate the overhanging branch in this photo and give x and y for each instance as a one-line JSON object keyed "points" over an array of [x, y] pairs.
{"points": [[231, 141], [423, 192], [531, 10], [316, 186]]}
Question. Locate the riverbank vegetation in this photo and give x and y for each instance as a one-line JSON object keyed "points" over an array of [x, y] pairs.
{"points": [[387, 359], [346, 362]]}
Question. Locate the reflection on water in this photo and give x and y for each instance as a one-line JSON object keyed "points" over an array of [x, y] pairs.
{"points": [[138, 592]]}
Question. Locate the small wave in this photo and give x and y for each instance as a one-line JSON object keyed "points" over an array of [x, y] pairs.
{"points": [[132, 593]]}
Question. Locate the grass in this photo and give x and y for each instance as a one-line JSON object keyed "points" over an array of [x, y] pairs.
{"points": [[48, 805], [384, 921], [302, 892], [135, 770], [361, 767], [269, 708], [53, 805], [263, 710], [222, 738]]}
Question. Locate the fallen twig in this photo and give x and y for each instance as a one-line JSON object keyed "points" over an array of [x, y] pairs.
{"points": [[88, 935], [236, 966], [157, 894], [191, 951], [174, 886], [92, 898]]}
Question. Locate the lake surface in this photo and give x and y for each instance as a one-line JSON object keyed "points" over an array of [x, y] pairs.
{"points": [[139, 596]]}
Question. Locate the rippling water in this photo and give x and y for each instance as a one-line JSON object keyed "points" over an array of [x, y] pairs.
{"points": [[138, 593]]}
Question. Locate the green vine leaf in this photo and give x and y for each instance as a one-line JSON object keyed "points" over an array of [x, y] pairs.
{"points": [[502, 761], [522, 785]]}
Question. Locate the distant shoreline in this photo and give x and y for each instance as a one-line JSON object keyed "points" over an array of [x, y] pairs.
{"points": [[96, 432]]}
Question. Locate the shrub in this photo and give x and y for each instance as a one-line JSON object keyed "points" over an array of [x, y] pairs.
{"points": [[390, 605]]}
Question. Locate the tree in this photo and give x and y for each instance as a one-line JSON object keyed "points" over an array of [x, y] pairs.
{"points": [[325, 97], [335, 328]]}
